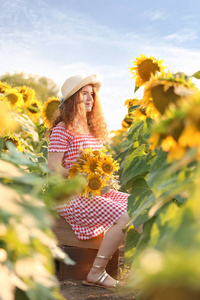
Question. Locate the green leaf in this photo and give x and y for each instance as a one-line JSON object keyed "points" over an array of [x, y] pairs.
{"points": [[131, 241], [142, 210], [137, 124], [158, 168], [139, 193], [134, 107], [196, 75], [166, 214], [136, 88], [137, 164], [144, 238]]}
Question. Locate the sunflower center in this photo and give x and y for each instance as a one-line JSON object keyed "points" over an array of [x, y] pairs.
{"points": [[95, 152], [93, 166], [94, 183], [107, 167], [146, 68], [129, 119], [162, 99], [2, 90], [12, 141], [51, 108], [12, 98]]}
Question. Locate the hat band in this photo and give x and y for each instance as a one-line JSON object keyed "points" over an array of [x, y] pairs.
{"points": [[61, 102]]}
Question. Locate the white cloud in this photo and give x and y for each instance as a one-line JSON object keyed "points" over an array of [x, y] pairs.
{"points": [[155, 15], [57, 45], [183, 36]]}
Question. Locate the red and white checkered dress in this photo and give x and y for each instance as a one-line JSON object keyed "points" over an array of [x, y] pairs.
{"points": [[88, 217]]}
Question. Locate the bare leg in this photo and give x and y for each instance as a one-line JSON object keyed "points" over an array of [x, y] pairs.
{"points": [[139, 229], [111, 241]]}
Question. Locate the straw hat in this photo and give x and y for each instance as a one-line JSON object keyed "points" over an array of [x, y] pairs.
{"points": [[75, 83]]}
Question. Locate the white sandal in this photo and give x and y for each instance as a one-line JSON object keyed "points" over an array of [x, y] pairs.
{"points": [[102, 277]]}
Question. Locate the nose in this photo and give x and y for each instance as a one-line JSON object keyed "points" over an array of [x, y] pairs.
{"points": [[90, 97]]}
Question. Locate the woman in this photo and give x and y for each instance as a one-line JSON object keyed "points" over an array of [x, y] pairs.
{"points": [[80, 123]]}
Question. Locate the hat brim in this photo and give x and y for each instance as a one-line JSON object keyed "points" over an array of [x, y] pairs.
{"points": [[92, 79]]}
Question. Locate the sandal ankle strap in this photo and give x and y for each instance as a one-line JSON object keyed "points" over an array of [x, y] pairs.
{"points": [[98, 267], [103, 257], [101, 278]]}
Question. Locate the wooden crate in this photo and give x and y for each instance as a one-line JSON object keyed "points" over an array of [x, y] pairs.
{"points": [[81, 252], [84, 259], [66, 236]]}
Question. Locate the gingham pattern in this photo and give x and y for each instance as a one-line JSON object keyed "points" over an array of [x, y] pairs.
{"points": [[88, 217], [63, 140]]}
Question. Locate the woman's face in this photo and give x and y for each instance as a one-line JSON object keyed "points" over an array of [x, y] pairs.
{"points": [[87, 97]]}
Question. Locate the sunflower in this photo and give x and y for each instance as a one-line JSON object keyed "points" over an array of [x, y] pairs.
{"points": [[28, 94], [85, 153], [145, 68], [14, 140], [107, 166], [174, 149], [190, 136], [94, 185], [173, 126], [129, 118], [166, 90], [4, 88], [90, 166], [168, 144], [14, 98], [98, 152], [125, 125], [73, 171], [6, 120], [49, 108], [140, 113], [179, 130], [34, 110], [131, 102]]}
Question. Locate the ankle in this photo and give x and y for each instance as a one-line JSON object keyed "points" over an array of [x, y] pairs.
{"points": [[96, 270]]}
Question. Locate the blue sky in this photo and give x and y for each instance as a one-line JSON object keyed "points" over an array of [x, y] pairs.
{"points": [[61, 38]]}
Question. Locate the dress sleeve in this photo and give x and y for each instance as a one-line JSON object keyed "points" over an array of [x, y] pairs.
{"points": [[59, 139]]}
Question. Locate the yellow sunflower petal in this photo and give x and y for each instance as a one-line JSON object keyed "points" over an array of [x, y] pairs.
{"points": [[145, 68], [107, 166], [90, 165], [7, 123], [28, 94], [4, 87], [161, 91], [94, 185], [34, 110], [14, 98], [14, 140]]}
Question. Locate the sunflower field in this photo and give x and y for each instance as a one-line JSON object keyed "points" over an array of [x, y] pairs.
{"points": [[158, 152], [28, 190], [159, 167]]}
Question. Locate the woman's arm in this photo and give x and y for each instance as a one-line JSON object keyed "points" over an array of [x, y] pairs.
{"points": [[55, 163]]}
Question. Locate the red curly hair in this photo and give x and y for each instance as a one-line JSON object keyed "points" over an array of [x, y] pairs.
{"points": [[72, 108]]}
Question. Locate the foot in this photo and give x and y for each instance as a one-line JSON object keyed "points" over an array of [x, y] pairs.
{"points": [[108, 282]]}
